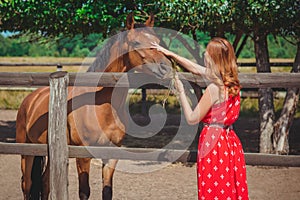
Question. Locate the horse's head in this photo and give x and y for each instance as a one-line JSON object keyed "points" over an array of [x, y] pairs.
{"points": [[130, 50], [140, 56]]}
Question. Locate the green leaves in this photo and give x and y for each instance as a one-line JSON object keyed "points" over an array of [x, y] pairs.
{"points": [[71, 17]]}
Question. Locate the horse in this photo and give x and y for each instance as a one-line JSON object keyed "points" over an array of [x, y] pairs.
{"points": [[105, 125]]}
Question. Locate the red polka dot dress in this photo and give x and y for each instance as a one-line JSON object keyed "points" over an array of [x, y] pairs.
{"points": [[221, 166]]}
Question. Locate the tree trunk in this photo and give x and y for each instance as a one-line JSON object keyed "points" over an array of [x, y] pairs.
{"points": [[239, 50], [238, 37], [195, 52], [283, 124], [266, 106]]}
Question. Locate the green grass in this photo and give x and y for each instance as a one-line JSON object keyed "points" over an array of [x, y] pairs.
{"points": [[249, 106], [12, 99], [52, 60]]}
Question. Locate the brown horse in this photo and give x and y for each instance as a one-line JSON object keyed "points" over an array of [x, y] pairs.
{"points": [[92, 118]]}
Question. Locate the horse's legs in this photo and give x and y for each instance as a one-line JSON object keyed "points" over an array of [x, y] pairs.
{"points": [[83, 169], [46, 183], [108, 169], [26, 167]]}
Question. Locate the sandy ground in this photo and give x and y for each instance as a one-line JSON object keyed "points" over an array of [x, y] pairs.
{"points": [[174, 181], [154, 181]]}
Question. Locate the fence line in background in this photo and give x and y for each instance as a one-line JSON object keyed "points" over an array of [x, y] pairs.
{"points": [[247, 80], [9, 64]]}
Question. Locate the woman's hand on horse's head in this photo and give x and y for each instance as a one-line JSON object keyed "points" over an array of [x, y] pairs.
{"points": [[156, 46]]}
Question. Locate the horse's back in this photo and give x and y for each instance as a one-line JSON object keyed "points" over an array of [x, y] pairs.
{"points": [[32, 117], [89, 122]]}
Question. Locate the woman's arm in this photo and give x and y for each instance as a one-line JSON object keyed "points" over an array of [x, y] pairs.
{"points": [[207, 100], [186, 63]]}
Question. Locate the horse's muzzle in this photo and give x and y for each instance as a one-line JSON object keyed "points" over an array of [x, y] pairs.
{"points": [[165, 70], [161, 70]]}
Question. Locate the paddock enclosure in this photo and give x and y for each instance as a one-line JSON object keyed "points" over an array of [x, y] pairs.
{"points": [[273, 80]]}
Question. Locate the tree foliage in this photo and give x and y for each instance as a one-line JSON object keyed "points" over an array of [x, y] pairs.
{"points": [[215, 17], [68, 17], [55, 17], [79, 46]]}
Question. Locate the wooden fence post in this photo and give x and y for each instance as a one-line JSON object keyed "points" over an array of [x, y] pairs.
{"points": [[57, 139]]}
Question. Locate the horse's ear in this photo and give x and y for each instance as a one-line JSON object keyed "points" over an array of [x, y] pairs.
{"points": [[130, 21], [150, 21]]}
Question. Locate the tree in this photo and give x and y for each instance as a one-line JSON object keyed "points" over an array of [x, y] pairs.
{"points": [[258, 19], [4, 47], [189, 17], [290, 26]]}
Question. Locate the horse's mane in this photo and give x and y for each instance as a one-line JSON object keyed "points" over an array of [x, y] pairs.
{"points": [[104, 54]]}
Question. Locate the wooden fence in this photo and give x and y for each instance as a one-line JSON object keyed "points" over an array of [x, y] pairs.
{"points": [[20, 64], [251, 80], [59, 151], [248, 80]]}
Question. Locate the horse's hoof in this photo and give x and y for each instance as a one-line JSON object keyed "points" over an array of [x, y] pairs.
{"points": [[107, 193]]}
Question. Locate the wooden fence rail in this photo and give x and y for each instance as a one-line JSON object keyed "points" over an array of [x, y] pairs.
{"points": [[148, 154], [248, 80], [20, 64]]}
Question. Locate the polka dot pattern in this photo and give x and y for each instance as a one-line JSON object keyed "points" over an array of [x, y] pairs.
{"points": [[221, 166]]}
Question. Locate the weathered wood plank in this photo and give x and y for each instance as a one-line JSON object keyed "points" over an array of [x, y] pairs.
{"points": [[272, 64], [57, 139], [20, 64], [24, 149], [142, 154], [27, 64], [248, 80], [24, 79]]}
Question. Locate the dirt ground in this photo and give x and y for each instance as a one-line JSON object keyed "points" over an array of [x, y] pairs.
{"points": [[149, 180]]}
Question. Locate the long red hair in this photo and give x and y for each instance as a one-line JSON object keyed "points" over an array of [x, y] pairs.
{"points": [[221, 64]]}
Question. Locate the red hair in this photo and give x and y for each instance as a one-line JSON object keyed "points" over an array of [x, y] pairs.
{"points": [[221, 65]]}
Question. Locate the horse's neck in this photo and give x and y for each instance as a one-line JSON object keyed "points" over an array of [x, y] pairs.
{"points": [[117, 99], [116, 63]]}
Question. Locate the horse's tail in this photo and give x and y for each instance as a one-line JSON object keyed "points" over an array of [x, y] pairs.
{"points": [[36, 177]]}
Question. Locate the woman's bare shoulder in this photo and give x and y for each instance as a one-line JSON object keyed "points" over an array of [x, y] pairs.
{"points": [[214, 91]]}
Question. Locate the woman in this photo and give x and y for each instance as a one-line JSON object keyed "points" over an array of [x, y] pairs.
{"points": [[221, 166]]}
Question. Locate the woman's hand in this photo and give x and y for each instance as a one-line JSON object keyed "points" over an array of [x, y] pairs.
{"points": [[186, 63], [156, 46], [178, 84]]}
